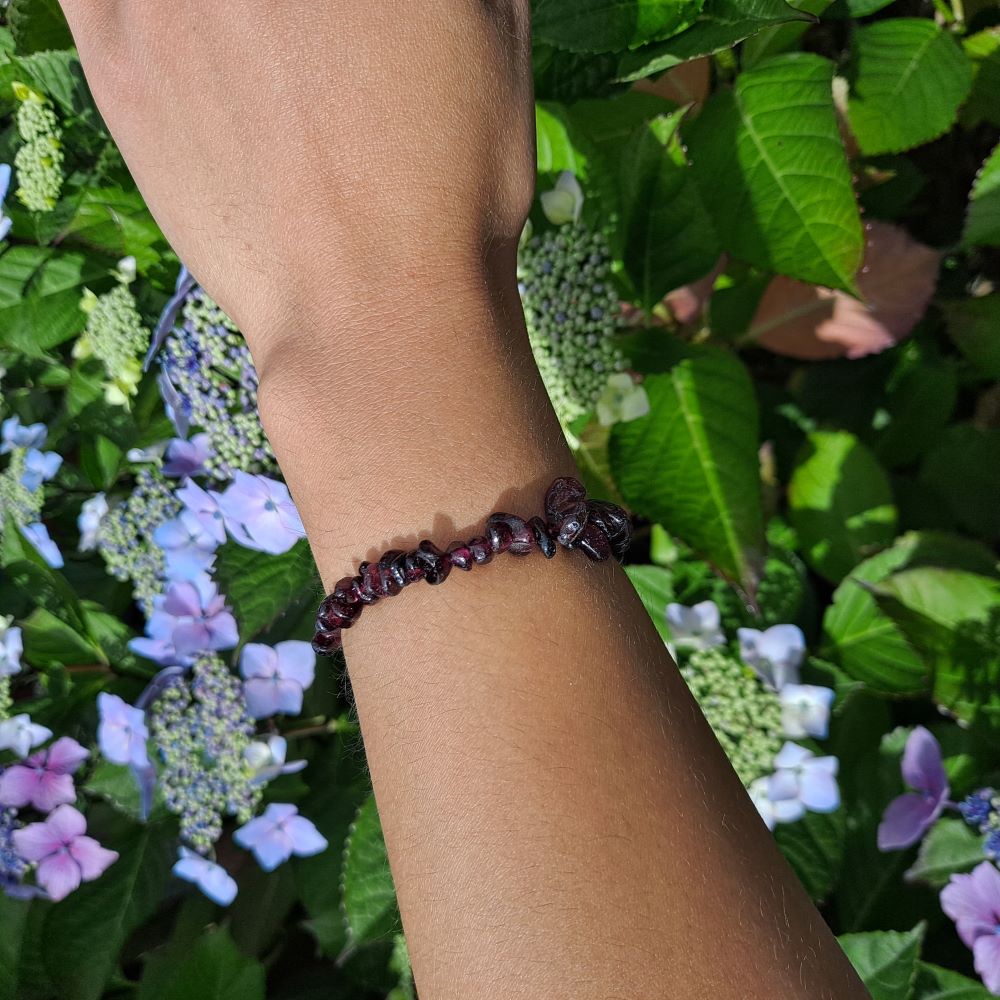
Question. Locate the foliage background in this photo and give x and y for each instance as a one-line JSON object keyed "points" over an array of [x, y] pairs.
{"points": [[824, 457]]}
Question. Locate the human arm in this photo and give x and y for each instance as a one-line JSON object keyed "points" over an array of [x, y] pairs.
{"points": [[559, 818]]}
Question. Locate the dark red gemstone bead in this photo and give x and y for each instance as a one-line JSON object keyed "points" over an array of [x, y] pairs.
{"points": [[594, 544], [413, 567], [565, 496], [543, 538], [363, 581], [569, 528], [615, 524], [398, 568], [481, 550], [391, 584], [499, 533], [436, 563], [333, 616], [460, 555], [345, 591], [327, 643]]}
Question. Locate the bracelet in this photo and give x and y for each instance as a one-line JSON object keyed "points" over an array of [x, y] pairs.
{"points": [[598, 528]]}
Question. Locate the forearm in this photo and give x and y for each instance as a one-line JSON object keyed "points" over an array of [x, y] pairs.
{"points": [[560, 819]]}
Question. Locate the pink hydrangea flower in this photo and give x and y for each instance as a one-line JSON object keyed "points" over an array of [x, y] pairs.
{"points": [[973, 902], [44, 780], [65, 856]]}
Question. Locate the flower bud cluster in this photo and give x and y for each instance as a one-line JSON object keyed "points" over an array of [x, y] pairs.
{"points": [[571, 310], [39, 159], [24, 505]]}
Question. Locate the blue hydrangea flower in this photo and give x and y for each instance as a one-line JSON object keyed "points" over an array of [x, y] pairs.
{"points": [[260, 514], [204, 505], [88, 523], [186, 458], [188, 548], [977, 808], [212, 879], [5, 223], [802, 781], [38, 535], [805, 710], [20, 734], [278, 834], [266, 759], [122, 731], [775, 654], [275, 676], [39, 467], [11, 647], [697, 627], [14, 434]]}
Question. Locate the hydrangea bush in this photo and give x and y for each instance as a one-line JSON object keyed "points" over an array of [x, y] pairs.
{"points": [[759, 283]]}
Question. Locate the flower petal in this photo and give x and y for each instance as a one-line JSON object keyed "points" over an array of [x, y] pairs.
{"points": [[905, 821]]}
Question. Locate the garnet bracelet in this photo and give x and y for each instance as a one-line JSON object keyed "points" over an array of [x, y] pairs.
{"points": [[598, 528]]}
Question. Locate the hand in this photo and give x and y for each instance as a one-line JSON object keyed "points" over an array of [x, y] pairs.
{"points": [[301, 157]]}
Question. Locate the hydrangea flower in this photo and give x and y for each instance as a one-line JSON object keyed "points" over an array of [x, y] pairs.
{"points": [[186, 458], [20, 734], [122, 731], [92, 514], [5, 222], [204, 505], [775, 654], [623, 399], [278, 834], [275, 676], [266, 759], [978, 808], [773, 811], [212, 879], [909, 816], [572, 315], [190, 618], [802, 781], [64, 855], [14, 434], [260, 514], [188, 548], [697, 627], [13, 867], [973, 902], [39, 158], [11, 647], [39, 467], [38, 535], [805, 710], [564, 202], [44, 780]]}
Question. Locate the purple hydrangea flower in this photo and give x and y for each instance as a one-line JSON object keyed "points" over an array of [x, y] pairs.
{"points": [[122, 731], [805, 710], [186, 457], [14, 434], [803, 781], [11, 648], [697, 627], [5, 223], [92, 513], [182, 288], [20, 734], [213, 880], [38, 535], [39, 467], [278, 834], [775, 654], [204, 505], [65, 856], [173, 402], [973, 902], [260, 514], [909, 816], [45, 779], [275, 676], [188, 548], [190, 618]]}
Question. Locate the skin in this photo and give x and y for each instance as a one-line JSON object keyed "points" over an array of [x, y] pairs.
{"points": [[349, 181]]}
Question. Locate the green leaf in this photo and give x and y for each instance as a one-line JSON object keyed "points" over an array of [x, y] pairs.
{"points": [[261, 588], [656, 590], [963, 469], [555, 148], [983, 49], [721, 24], [40, 292], [607, 25], [669, 236], [934, 983], [38, 25], [863, 639], [117, 223], [83, 934], [951, 846], [49, 641], [691, 463], [982, 223], [886, 960], [58, 75], [908, 79], [814, 846], [974, 325], [369, 897], [212, 969], [840, 503], [773, 173]]}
